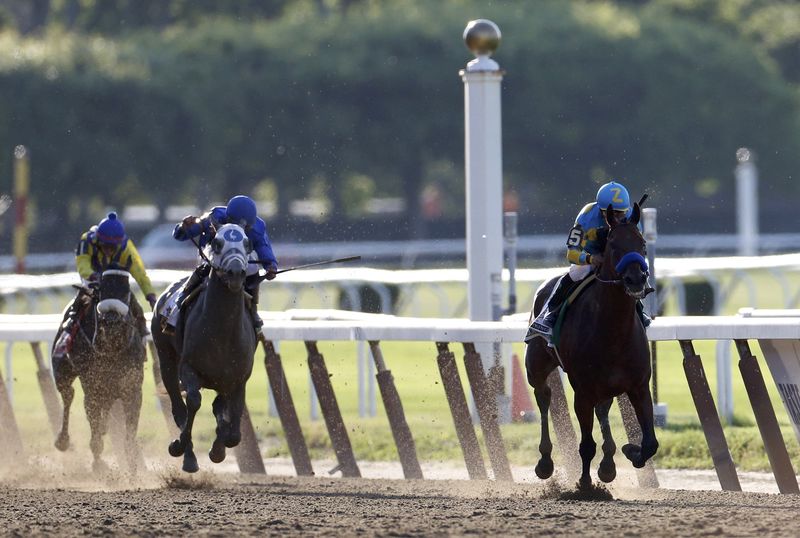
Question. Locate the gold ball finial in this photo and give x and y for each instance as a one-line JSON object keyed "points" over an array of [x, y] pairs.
{"points": [[482, 37]]}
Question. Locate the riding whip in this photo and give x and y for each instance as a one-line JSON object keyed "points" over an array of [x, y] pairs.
{"points": [[338, 260]]}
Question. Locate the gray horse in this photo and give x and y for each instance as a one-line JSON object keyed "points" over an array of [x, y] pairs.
{"points": [[213, 347], [108, 356]]}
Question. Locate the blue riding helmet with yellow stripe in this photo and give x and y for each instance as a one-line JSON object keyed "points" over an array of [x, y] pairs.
{"points": [[615, 195]]}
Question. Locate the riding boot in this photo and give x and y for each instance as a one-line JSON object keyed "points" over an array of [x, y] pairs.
{"points": [[642, 314], [546, 320], [172, 314], [66, 332], [258, 323]]}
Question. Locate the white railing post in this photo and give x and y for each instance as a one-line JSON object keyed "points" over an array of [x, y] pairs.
{"points": [[747, 202]]}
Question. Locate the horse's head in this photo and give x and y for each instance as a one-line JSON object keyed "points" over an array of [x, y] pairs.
{"points": [[113, 306], [625, 254], [114, 296], [229, 251]]}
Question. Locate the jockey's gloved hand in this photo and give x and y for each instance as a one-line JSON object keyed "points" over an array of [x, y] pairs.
{"points": [[188, 221], [94, 277], [151, 298], [596, 261], [272, 272]]}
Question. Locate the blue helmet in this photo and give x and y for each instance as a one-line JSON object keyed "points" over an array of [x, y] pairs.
{"points": [[111, 230], [241, 210], [615, 195]]}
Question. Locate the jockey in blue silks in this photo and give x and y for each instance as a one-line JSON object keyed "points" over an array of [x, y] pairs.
{"points": [[240, 210], [585, 246]]}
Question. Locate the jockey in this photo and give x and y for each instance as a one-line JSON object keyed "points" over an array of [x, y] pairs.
{"points": [[103, 246], [240, 210], [585, 246]]}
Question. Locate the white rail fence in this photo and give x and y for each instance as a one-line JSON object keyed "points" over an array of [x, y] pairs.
{"points": [[428, 292], [778, 336]]}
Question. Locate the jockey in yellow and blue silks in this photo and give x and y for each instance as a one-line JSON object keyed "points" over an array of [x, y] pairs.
{"points": [[103, 246], [240, 210], [585, 246]]}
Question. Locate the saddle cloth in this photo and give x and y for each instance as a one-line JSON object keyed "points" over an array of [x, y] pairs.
{"points": [[579, 288]]}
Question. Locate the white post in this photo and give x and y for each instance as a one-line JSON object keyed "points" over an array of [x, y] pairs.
{"points": [[724, 381], [747, 202], [484, 177]]}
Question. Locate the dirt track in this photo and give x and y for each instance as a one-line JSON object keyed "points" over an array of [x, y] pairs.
{"points": [[227, 505]]}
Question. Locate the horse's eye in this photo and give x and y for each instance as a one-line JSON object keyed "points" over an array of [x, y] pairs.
{"points": [[246, 244], [216, 245]]}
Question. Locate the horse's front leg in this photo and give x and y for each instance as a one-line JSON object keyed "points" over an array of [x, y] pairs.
{"points": [[608, 470], [642, 404], [183, 445], [64, 377], [538, 367], [584, 410], [220, 409], [96, 418]]}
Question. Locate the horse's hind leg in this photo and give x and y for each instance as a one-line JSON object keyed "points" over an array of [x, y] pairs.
{"points": [[183, 445], [539, 364], [642, 404], [64, 377], [584, 410], [608, 470], [168, 363]]}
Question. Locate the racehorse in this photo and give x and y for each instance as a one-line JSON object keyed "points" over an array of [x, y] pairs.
{"points": [[212, 347], [603, 349], [108, 356]]}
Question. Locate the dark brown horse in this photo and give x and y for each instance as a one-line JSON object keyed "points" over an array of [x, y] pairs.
{"points": [[603, 349], [108, 356]]}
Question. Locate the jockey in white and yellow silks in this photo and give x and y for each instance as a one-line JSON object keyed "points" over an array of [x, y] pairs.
{"points": [[585, 246]]}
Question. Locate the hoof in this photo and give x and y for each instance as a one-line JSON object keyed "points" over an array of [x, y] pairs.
{"points": [[62, 441], [585, 482], [607, 471], [634, 453], [99, 467], [190, 463], [544, 469], [233, 440], [176, 448], [217, 452]]}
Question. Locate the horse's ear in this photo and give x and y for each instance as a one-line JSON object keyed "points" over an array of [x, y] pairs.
{"points": [[636, 214], [610, 218]]}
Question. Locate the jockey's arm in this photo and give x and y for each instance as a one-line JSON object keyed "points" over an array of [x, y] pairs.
{"points": [[137, 269], [202, 227], [83, 257], [262, 245], [578, 237]]}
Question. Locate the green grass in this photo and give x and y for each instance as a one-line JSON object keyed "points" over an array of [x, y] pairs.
{"points": [[417, 377]]}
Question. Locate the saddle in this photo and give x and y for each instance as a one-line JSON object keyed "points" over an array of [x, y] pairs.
{"points": [[574, 293]]}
